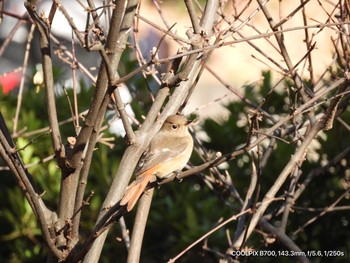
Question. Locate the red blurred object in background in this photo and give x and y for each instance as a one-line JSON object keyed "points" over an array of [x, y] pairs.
{"points": [[10, 81]]}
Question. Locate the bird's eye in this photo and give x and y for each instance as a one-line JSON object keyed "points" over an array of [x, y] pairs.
{"points": [[174, 126]]}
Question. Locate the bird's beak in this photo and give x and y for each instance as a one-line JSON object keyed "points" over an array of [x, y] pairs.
{"points": [[191, 122]]}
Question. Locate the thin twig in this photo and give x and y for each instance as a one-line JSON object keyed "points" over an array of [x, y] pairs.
{"points": [[326, 210], [248, 200], [74, 77], [193, 16], [69, 19], [24, 73], [232, 218]]}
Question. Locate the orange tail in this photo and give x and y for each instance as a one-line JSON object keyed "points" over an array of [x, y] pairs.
{"points": [[135, 190]]}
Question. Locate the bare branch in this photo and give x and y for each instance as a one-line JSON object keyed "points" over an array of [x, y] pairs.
{"points": [[283, 238], [48, 79], [11, 157], [295, 159], [139, 227]]}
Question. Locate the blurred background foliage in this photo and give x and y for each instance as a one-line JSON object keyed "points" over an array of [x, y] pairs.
{"points": [[181, 211]]}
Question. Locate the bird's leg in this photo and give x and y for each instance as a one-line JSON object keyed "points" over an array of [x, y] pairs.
{"points": [[176, 173]]}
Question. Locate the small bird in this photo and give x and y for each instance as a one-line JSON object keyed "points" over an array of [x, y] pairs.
{"points": [[168, 152]]}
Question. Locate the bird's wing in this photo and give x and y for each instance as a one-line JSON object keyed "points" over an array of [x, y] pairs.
{"points": [[159, 152]]}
